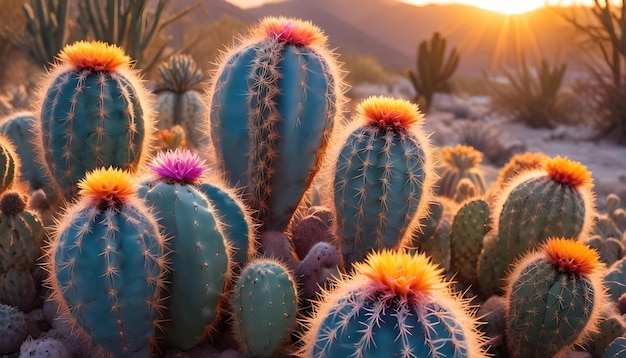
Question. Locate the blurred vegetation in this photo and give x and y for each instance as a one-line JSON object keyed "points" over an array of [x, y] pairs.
{"points": [[364, 69], [434, 70], [47, 29], [531, 94], [605, 36]]}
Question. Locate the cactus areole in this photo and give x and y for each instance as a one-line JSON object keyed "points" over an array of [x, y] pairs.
{"points": [[273, 106], [93, 114]]}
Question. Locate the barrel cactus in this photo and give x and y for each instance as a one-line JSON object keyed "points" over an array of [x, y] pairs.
{"points": [[554, 201], [179, 99], [382, 177], [107, 265], [198, 252], [95, 112], [273, 104], [264, 307], [395, 304], [460, 162], [555, 299]]}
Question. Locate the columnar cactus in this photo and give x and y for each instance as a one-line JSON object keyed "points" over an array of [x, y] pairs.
{"points": [[395, 304], [556, 200], [179, 100], [94, 113], [382, 177], [107, 264], [555, 299], [264, 307], [460, 162], [273, 104], [18, 128], [469, 227], [198, 252]]}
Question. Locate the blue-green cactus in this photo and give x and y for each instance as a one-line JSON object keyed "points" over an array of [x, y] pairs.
{"points": [[94, 113], [264, 307], [382, 178], [107, 265], [197, 249], [273, 105], [21, 233]]}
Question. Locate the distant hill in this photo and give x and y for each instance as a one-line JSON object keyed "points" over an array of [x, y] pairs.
{"points": [[390, 30]]}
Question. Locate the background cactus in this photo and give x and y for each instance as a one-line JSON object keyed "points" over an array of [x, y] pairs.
{"points": [[264, 307], [555, 299], [94, 113], [21, 233], [433, 235], [19, 288], [9, 164], [460, 162], [198, 252], [18, 128], [556, 201], [46, 27], [273, 104], [317, 268], [434, 70], [12, 329], [382, 177], [394, 304], [179, 100], [107, 265]]}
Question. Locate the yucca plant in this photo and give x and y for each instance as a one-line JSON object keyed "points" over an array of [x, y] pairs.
{"points": [[531, 94], [434, 70]]}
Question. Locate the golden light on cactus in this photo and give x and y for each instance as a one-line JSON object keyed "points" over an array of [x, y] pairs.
{"points": [[294, 31], [95, 55], [568, 172], [572, 256], [109, 186], [462, 156], [402, 273], [389, 113]]}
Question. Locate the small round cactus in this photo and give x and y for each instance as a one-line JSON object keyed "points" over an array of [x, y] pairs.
{"points": [[460, 162], [12, 329], [394, 304]]}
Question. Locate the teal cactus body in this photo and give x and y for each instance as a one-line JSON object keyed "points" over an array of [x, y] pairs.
{"points": [[19, 128], [107, 265], [382, 178], [197, 250], [264, 306], [238, 227], [179, 100], [394, 305], [94, 113], [21, 233], [555, 201], [555, 299], [273, 106], [617, 348]]}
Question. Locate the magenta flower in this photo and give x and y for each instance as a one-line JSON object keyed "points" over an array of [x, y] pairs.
{"points": [[181, 166]]}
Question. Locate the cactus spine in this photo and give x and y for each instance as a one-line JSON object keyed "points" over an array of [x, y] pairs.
{"points": [[179, 101], [555, 299], [264, 306], [382, 178], [107, 264], [273, 105], [197, 249], [94, 113], [394, 305]]}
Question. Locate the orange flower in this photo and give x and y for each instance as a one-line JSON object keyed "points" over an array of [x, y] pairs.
{"points": [[571, 256], [568, 172], [108, 186], [294, 31], [401, 272], [95, 55], [462, 156], [389, 113]]}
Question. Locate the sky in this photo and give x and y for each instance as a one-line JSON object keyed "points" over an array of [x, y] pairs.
{"points": [[503, 6]]}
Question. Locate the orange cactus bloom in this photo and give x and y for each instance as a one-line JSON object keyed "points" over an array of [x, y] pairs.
{"points": [[294, 31], [571, 256], [402, 273], [389, 113], [569, 172], [110, 185], [95, 55]]}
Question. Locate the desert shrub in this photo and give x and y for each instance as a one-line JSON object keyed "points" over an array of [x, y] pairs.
{"points": [[364, 69]]}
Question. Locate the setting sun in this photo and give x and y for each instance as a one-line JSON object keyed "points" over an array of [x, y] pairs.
{"points": [[504, 7]]}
